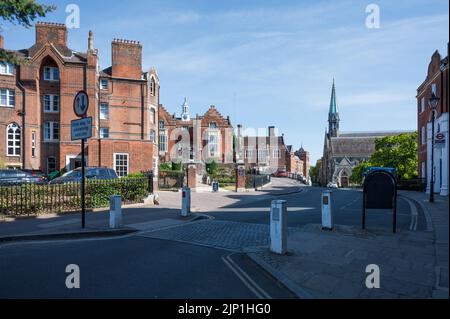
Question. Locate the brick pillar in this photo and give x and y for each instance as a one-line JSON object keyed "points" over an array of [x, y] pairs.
{"points": [[240, 177], [192, 176]]}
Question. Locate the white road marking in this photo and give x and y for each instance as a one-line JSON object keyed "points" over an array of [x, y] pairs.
{"points": [[245, 278], [414, 214]]}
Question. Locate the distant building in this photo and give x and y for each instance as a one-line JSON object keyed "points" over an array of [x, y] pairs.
{"points": [[201, 138], [294, 164], [344, 150], [436, 81]]}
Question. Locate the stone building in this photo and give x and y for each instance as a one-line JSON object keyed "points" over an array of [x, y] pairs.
{"points": [[344, 150], [435, 82], [201, 138], [36, 106]]}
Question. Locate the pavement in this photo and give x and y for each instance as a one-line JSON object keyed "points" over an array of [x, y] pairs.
{"points": [[332, 264]]}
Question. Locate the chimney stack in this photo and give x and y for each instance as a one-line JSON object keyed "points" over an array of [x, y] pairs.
{"points": [[126, 59], [272, 131], [91, 41], [55, 33], [2, 42]]}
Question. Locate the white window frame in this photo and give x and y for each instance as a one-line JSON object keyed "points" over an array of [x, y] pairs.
{"points": [[102, 131], [10, 97], [102, 86], [53, 107], [213, 147], [52, 77], [422, 105], [6, 68], [163, 142], [33, 144], [51, 136], [152, 86], [102, 114], [16, 148], [276, 153], [115, 163], [423, 171], [152, 136], [434, 88]]}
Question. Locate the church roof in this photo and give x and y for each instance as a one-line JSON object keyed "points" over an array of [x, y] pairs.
{"points": [[358, 144]]}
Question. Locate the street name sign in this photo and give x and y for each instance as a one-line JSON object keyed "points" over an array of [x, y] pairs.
{"points": [[81, 129]]}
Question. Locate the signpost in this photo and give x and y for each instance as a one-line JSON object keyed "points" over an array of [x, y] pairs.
{"points": [[439, 139], [82, 130], [380, 192]]}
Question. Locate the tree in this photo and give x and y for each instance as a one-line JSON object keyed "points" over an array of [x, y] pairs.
{"points": [[314, 173], [20, 12], [399, 152], [212, 168]]}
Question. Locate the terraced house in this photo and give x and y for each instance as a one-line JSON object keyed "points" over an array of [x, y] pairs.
{"points": [[36, 106]]}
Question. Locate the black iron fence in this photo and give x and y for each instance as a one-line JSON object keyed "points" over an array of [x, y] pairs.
{"points": [[168, 180], [34, 199], [256, 181]]}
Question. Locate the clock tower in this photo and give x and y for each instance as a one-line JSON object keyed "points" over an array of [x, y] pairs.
{"points": [[185, 111]]}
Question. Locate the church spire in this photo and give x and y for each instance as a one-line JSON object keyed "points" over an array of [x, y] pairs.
{"points": [[185, 116], [333, 114]]}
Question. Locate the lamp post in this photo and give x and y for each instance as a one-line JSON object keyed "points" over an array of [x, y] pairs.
{"points": [[433, 103]]}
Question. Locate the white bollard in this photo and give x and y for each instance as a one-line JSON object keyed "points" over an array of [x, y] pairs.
{"points": [[327, 210], [115, 211], [278, 227], [186, 202]]}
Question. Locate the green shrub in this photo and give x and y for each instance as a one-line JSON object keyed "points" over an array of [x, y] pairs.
{"points": [[165, 166]]}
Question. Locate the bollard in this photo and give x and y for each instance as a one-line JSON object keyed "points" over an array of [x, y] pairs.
{"points": [[278, 227], [115, 211], [186, 202], [327, 210]]}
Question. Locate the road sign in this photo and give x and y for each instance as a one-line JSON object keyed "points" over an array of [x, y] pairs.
{"points": [[81, 129], [440, 138], [81, 104]]}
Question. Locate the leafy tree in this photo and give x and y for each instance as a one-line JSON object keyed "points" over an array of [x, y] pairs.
{"points": [[177, 166], [212, 168], [399, 152], [314, 173], [20, 12]]}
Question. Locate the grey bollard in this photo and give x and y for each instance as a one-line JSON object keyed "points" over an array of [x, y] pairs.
{"points": [[186, 202], [115, 211], [327, 210], [278, 227]]}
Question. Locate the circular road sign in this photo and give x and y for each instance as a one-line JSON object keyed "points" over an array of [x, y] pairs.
{"points": [[81, 104], [440, 136]]}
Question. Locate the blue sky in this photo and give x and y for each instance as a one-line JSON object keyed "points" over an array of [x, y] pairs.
{"points": [[272, 62]]}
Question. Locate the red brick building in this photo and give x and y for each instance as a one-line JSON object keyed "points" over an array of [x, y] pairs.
{"points": [[36, 106], [201, 139], [436, 82]]}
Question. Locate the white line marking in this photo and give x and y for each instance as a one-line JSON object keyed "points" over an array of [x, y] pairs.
{"points": [[414, 214], [241, 278]]}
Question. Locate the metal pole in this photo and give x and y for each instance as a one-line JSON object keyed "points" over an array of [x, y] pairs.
{"points": [[83, 206], [432, 160]]}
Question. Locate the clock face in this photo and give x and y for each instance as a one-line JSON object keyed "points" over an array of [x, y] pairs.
{"points": [[184, 117]]}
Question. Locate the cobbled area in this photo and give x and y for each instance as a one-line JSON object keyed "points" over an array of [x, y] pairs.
{"points": [[220, 234]]}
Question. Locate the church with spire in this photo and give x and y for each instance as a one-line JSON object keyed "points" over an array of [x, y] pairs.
{"points": [[342, 151]]}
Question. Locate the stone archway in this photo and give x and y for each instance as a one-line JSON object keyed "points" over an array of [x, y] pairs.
{"points": [[344, 180]]}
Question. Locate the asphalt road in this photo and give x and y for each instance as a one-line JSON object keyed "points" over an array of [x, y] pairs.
{"points": [[304, 208], [138, 267]]}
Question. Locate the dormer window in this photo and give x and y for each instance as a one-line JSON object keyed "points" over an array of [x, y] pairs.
{"points": [[51, 73], [213, 125], [103, 84], [6, 68]]}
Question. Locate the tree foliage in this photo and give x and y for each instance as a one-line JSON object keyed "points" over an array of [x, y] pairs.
{"points": [[314, 173], [399, 152], [23, 13]]}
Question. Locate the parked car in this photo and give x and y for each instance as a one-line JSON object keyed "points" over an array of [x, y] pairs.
{"points": [[92, 173], [18, 177], [332, 185], [36, 173], [281, 174]]}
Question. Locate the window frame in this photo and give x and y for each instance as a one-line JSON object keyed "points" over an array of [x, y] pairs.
{"points": [[102, 129], [51, 101], [52, 134], [17, 149], [10, 97], [102, 105], [48, 162], [127, 162], [7, 67], [33, 144], [103, 87], [52, 74], [152, 136], [163, 141]]}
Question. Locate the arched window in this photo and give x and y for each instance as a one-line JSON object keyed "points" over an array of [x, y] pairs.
{"points": [[13, 139], [152, 86]]}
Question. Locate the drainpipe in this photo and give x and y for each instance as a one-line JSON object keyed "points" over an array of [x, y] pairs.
{"points": [[24, 136], [142, 111]]}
